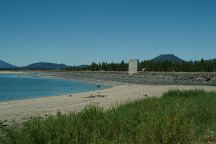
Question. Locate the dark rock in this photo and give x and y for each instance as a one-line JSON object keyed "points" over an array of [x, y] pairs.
{"points": [[208, 79]]}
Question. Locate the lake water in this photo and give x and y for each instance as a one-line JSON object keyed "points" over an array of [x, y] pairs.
{"points": [[14, 87]]}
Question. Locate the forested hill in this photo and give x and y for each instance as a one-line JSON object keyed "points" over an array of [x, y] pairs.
{"points": [[167, 57], [45, 65], [4, 65]]}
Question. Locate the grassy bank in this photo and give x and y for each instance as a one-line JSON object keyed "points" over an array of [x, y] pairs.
{"points": [[176, 117]]}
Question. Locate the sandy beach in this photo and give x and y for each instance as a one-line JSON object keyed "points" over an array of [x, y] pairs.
{"points": [[22, 110], [12, 72]]}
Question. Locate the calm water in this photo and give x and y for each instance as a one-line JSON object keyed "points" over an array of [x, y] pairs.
{"points": [[13, 87]]}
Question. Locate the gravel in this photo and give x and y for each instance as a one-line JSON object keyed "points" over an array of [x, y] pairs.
{"points": [[152, 78]]}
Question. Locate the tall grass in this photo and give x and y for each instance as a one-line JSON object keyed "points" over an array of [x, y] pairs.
{"points": [[181, 117]]}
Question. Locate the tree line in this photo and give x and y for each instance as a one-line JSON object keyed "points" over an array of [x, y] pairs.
{"points": [[185, 66], [148, 65], [103, 66]]}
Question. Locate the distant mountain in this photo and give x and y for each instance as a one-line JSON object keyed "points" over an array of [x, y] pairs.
{"points": [[83, 66], [45, 65], [4, 65], [167, 57]]}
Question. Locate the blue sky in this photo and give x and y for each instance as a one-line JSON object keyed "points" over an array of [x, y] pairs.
{"points": [[82, 31]]}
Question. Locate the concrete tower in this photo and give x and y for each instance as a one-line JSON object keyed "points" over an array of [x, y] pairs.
{"points": [[133, 66]]}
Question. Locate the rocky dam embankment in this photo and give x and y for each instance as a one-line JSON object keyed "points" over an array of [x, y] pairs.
{"points": [[146, 78]]}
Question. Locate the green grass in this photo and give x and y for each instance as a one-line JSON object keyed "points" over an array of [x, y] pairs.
{"points": [[181, 117]]}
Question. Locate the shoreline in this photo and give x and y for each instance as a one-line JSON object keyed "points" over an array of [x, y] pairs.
{"points": [[11, 72], [22, 110], [86, 80], [105, 85]]}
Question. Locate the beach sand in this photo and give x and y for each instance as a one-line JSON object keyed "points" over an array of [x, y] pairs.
{"points": [[11, 72], [21, 110]]}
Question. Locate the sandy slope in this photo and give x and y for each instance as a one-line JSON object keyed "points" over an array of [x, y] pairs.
{"points": [[24, 109]]}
